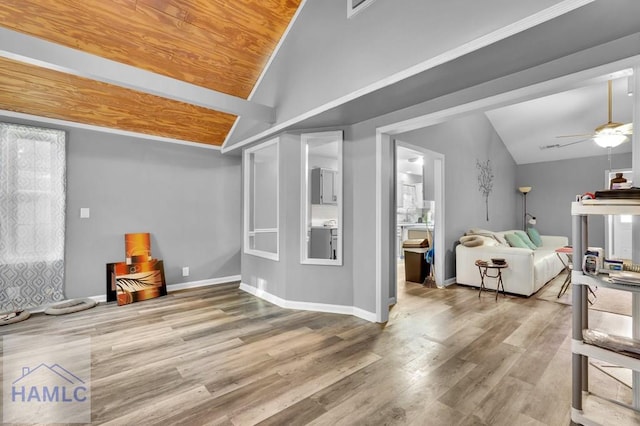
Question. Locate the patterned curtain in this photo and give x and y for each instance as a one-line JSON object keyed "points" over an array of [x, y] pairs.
{"points": [[32, 216]]}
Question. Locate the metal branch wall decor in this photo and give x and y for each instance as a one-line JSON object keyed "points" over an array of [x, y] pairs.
{"points": [[485, 181]]}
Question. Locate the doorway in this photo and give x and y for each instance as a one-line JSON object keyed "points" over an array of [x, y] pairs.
{"points": [[419, 208]]}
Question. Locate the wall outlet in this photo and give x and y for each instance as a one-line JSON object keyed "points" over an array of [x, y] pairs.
{"points": [[185, 271], [85, 213]]}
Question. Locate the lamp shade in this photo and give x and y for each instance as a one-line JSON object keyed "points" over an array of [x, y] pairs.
{"points": [[524, 189]]}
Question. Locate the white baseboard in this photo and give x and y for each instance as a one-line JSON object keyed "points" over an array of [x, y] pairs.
{"points": [[392, 301], [202, 283], [102, 298], [181, 286], [449, 281], [309, 306]]}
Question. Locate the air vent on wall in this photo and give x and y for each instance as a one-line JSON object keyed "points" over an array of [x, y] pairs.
{"points": [[356, 6]]}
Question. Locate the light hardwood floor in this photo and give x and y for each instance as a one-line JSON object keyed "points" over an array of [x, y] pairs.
{"points": [[219, 356]]}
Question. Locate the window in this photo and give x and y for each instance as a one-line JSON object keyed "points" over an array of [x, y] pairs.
{"points": [[32, 215], [32, 194], [261, 198], [626, 218]]}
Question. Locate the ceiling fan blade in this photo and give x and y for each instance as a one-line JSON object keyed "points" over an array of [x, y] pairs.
{"points": [[562, 145], [576, 136], [625, 128]]}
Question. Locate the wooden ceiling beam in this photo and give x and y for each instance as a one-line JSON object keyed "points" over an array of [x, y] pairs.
{"points": [[50, 94], [39, 52]]}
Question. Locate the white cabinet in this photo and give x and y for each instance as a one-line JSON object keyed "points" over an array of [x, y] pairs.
{"points": [[323, 186], [587, 408], [323, 243]]}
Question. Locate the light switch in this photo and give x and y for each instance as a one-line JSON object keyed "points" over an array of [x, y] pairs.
{"points": [[84, 213]]}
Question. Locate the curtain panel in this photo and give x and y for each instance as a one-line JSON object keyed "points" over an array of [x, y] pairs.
{"points": [[32, 216]]}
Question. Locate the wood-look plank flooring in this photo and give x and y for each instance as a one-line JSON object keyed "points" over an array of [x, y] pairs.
{"points": [[219, 356]]}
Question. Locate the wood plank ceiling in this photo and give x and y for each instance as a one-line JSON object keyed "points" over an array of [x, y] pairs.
{"points": [[222, 45]]}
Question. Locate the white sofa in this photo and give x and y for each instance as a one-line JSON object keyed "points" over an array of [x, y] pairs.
{"points": [[528, 269]]}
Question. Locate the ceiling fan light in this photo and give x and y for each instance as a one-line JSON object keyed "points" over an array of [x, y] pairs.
{"points": [[609, 138]]}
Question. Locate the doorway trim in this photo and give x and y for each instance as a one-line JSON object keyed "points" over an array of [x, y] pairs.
{"points": [[384, 156]]}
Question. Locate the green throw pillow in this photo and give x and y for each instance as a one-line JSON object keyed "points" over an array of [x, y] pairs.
{"points": [[535, 236], [515, 241], [524, 237]]}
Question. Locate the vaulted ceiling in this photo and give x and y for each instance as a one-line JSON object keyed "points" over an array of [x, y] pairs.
{"points": [[537, 130], [219, 45]]}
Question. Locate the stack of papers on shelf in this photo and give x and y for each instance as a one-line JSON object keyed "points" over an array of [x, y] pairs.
{"points": [[624, 277], [620, 344]]}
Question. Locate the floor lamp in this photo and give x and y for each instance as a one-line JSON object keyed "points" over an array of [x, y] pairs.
{"points": [[525, 190]]}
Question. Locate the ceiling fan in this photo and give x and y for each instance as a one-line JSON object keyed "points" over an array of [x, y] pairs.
{"points": [[608, 135]]}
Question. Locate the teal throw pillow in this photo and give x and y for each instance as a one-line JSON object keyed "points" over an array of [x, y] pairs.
{"points": [[535, 236], [524, 237], [515, 241]]}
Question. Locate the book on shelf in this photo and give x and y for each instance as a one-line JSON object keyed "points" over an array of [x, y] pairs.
{"points": [[626, 193]]}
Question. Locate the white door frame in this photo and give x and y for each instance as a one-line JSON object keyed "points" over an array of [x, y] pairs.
{"points": [[385, 231]]}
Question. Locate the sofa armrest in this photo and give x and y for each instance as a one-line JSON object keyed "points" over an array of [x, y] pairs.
{"points": [[554, 241]]}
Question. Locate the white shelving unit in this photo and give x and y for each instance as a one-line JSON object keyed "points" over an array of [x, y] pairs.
{"points": [[587, 408]]}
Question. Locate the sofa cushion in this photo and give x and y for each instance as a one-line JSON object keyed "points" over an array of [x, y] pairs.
{"points": [[525, 238], [515, 241], [486, 233], [477, 240], [534, 235], [471, 241]]}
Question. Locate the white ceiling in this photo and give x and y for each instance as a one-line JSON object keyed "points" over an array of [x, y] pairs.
{"points": [[527, 126]]}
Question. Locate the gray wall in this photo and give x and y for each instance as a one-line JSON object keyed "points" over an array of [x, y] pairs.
{"points": [[187, 197], [287, 278], [463, 142], [360, 202], [555, 185]]}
